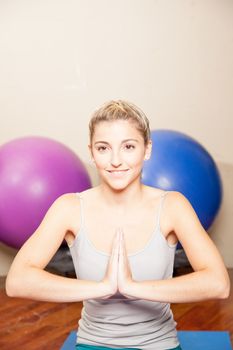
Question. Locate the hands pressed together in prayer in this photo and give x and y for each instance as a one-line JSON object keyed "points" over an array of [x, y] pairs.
{"points": [[118, 277]]}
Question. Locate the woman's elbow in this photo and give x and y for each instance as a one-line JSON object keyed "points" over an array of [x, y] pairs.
{"points": [[14, 286], [223, 290], [10, 287], [226, 291]]}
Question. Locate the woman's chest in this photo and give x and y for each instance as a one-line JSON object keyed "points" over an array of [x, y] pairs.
{"points": [[138, 230], [153, 261]]}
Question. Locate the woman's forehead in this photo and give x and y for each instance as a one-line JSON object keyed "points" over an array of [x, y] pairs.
{"points": [[116, 128]]}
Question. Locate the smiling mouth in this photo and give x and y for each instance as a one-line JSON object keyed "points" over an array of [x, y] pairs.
{"points": [[117, 171]]}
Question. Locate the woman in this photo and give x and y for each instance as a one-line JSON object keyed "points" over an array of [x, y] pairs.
{"points": [[122, 236]]}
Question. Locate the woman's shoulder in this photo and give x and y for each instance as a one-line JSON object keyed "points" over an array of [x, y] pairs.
{"points": [[175, 203], [176, 197], [172, 198], [68, 204], [158, 192], [66, 199], [71, 198], [89, 195], [153, 193]]}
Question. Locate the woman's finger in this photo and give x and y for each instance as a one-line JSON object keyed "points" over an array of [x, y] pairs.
{"points": [[115, 246]]}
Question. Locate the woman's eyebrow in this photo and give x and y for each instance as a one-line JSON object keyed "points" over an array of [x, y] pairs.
{"points": [[105, 142]]}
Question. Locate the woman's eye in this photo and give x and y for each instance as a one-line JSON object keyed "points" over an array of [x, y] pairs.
{"points": [[101, 148], [104, 148], [129, 146]]}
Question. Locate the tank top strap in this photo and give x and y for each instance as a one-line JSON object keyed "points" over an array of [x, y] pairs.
{"points": [[162, 198], [81, 208]]}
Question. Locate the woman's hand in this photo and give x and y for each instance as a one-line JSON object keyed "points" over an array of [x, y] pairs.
{"points": [[118, 277], [125, 279], [110, 279]]}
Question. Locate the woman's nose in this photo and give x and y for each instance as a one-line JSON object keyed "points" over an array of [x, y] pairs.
{"points": [[115, 160]]}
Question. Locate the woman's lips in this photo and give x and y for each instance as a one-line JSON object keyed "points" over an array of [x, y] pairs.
{"points": [[117, 173]]}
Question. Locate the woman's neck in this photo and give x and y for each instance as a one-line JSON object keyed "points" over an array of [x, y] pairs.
{"points": [[122, 199]]}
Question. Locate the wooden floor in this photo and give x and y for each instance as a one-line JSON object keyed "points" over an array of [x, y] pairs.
{"points": [[31, 325]]}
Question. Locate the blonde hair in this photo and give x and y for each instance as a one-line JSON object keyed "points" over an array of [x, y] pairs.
{"points": [[121, 110]]}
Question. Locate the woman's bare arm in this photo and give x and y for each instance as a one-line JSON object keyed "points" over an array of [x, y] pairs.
{"points": [[210, 278], [27, 277]]}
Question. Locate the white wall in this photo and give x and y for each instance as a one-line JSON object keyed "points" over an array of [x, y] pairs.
{"points": [[59, 60]]}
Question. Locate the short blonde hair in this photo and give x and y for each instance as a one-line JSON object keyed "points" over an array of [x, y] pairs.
{"points": [[121, 110]]}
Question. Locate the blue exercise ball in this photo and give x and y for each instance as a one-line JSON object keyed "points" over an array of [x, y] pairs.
{"points": [[180, 163]]}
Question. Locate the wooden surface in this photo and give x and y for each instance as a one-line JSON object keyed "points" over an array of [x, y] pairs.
{"points": [[216, 315], [32, 325]]}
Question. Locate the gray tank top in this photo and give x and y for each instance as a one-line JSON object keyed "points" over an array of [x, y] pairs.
{"points": [[119, 322]]}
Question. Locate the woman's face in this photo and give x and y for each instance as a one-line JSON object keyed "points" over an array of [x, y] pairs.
{"points": [[118, 150]]}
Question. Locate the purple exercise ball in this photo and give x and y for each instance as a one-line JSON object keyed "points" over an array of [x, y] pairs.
{"points": [[34, 171]]}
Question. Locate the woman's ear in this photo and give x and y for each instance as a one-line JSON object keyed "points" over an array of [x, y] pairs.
{"points": [[148, 150]]}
